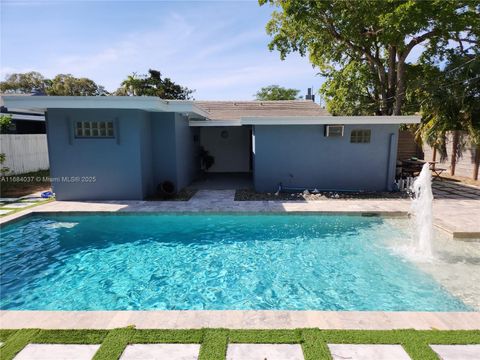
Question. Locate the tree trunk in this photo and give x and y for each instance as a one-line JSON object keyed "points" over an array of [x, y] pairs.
{"points": [[453, 156], [392, 77], [400, 91]]}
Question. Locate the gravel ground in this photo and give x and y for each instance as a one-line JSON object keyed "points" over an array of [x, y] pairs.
{"points": [[251, 195]]}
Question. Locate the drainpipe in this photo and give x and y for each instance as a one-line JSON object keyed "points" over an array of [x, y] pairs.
{"points": [[390, 162]]}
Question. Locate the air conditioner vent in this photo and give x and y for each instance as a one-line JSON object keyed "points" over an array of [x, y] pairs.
{"points": [[334, 130]]}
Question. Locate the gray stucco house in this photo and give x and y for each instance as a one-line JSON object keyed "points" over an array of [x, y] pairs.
{"points": [[103, 148]]}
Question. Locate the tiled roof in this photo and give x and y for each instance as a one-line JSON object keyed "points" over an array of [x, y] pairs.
{"points": [[234, 110]]}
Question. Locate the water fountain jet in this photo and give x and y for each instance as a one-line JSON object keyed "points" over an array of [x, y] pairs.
{"points": [[421, 210]]}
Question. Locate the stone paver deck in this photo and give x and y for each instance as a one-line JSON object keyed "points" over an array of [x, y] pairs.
{"points": [[57, 352], [457, 352], [367, 352], [161, 351], [240, 319], [242, 352], [264, 351]]}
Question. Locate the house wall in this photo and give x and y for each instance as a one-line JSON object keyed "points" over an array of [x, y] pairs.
{"points": [[148, 148], [187, 151], [119, 165], [232, 154], [174, 151], [163, 148], [301, 156]]}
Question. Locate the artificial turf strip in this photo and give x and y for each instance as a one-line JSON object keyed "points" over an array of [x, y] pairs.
{"points": [[314, 346], [16, 343], [192, 336], [214, 344], [453, 337], [5, 334], [114, 344], [70, 337]]}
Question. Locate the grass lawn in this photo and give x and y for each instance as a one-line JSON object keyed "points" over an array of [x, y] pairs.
{"points": [[24, 184], [214, 341]]}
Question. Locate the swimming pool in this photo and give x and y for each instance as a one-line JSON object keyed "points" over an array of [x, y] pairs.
{"points": [[215, 262]]}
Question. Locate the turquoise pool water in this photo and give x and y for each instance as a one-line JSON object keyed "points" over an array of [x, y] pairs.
{"points": [[146, 262]]}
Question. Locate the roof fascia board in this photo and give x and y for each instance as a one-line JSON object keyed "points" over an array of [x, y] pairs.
{"points": [[148, 103], [324, 120], [197, 123], [27, 117]]}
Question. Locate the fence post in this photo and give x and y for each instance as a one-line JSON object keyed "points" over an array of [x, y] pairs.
{"points": [[453, 159], [477, 162]]}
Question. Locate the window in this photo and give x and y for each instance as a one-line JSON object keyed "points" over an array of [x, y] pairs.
{"points": [[94, 129], [360, 136]]}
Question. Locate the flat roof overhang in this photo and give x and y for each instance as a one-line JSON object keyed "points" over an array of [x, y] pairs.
{"points": [[147, 103], [310, 120]]}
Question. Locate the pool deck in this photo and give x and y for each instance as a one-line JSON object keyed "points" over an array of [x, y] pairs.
{"points": [[238, 319], [458, 217]]}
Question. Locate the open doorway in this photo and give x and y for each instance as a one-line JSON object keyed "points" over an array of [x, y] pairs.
{"points": [[231, 150]]}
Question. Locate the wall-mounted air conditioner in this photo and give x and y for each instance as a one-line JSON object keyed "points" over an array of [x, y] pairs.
{"points": [[334, 130]]}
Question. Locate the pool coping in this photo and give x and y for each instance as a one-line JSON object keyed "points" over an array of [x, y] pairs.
{"points": [[240, 319]]}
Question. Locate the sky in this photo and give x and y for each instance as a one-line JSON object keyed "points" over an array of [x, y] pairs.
{"points": [[218, 48]]}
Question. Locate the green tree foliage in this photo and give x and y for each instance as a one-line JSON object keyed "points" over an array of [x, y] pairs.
{"points": [[364, 44], [60, 85], [69, 85], [153, 85], [24, 83], [276, 92], [5, 122], [449, 98]]}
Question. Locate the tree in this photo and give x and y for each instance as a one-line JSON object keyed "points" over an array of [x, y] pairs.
{"points": [[61, 85], [449, 99], [153, 85], [24, 83], [375, 36], [276, 92], [5, 122], [68, 85]]}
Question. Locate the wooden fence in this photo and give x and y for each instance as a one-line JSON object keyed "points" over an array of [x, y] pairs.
{"points": [[24, 153], [462, 157], [407, 147]]}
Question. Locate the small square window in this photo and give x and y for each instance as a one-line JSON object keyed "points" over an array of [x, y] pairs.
{"points": [[360, 136], [95, 129]]}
